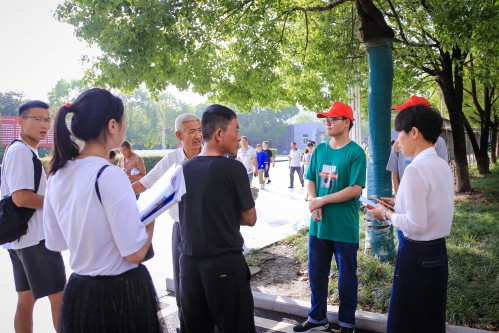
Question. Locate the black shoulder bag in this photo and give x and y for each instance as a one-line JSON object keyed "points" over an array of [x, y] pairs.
{"points": [[13, 219]]}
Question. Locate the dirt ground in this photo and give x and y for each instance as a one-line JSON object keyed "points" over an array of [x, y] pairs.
{"points": [[281, 274]]}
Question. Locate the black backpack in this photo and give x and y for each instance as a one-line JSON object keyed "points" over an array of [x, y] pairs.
{"points": [[13, 219]]}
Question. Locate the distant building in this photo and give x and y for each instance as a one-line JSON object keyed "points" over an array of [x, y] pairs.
{"points": [[301, 134]]}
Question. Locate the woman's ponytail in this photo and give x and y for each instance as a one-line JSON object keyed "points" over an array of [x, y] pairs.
{"points": [[65, 148]]}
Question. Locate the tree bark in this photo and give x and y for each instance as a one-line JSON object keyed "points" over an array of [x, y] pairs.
{"points": [[450, 81], [493, 141]]}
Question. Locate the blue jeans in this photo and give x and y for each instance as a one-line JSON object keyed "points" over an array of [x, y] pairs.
{"points": [[250, 177], [320, 254]]}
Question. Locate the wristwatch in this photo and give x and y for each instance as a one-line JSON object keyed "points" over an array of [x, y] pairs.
{"points": [[383, 215]]}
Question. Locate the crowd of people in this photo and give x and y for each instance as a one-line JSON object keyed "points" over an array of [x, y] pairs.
{"points": [[88, 207]]}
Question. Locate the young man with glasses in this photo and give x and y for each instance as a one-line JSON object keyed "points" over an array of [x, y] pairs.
{"points": [[38, 272], [336, 174]]}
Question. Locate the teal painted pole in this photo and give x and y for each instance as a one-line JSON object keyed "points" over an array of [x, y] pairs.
{"points": [[379, 236]]}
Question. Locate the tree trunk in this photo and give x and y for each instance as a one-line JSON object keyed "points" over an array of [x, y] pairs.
{"points": [[378, 38], [450, 81], [379, 236], [481, 153], [493, 142]]}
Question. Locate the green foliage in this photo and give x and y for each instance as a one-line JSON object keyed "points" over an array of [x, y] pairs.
{"points": [[266, 54], [65, 92], [10, 102], [265, 124]]}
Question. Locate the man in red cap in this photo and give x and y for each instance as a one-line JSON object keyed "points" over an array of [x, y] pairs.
{"points": [[336, 174]]}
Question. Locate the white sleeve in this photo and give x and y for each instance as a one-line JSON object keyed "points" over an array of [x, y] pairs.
{"points": [[122, 212], [414, 190], [159, 170], [19, 171], [54, 239]]}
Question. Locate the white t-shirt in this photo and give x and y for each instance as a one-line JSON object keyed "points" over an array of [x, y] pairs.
{"points": [[424, 207], [174, 157], [18, 173], [295, 156], [98, 235], [246, 157]]}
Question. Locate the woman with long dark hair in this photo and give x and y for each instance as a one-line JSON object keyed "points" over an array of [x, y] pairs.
{"points": [[90, 209], [424, 210]]}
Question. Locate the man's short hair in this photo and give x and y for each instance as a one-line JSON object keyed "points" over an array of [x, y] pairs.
{"points": [[214, 117], [258, 145], [293, 143], [32, 104], [244, 137], [185, 118], [126, 144], [265, 142], [112, 154]]}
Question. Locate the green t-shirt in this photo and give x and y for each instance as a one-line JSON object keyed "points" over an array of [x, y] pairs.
{"points": [[332, 170]]}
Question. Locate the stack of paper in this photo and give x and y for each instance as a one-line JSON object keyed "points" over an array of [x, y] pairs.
{"points": [[166, 192]]}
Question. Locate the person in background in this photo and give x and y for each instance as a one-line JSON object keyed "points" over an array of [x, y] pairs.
{"points": [[424, 209], [262, 164], [214, 276], [247, 156], [188, 131], [307, 157], [336, 176], [38, 271], [112, 157], [271, 161], [294, 158], [90, 209], [131, 163]]}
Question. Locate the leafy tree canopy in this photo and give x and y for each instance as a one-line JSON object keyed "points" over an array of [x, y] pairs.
{"points": [[10, 102], [244, 53]]}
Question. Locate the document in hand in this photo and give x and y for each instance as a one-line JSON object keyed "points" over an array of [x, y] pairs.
{"points": [[166, 192], [370, 204]]}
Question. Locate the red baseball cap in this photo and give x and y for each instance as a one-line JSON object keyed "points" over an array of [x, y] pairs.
{"points": [[412, 101], [338, 109]]}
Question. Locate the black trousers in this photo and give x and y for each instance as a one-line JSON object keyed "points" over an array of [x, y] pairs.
{"points": [[176, 263], [216, 291], [419, 292]]}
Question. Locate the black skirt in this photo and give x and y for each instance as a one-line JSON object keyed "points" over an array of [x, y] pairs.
{"points": [[125, 303], [419, 292]]}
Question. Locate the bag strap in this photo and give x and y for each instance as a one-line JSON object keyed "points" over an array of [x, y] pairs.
{"points": [[37, 165], [96, 181]]}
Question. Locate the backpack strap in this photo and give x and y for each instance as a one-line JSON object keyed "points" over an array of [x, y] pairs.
{"points": [[96, 181], [37, 165]]}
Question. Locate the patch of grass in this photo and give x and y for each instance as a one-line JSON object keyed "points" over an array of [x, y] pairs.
{"points": [[473, 248], [252, 258]]}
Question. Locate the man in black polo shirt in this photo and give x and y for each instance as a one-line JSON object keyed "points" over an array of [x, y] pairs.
{"points": [[214, 276]]}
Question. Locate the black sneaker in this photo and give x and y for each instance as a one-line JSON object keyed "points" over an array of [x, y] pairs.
{"points": [[290, 186], [308, 327], [269, 181], [347, 329]]}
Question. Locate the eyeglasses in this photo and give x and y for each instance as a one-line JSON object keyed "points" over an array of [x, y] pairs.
{"points": [[331, 120], [40, 119]]}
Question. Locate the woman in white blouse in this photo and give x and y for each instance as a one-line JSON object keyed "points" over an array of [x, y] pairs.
{"points": [[97, 219], [424, 209]]}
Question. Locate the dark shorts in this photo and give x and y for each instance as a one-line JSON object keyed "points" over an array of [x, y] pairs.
{"points": [[38, 269]]}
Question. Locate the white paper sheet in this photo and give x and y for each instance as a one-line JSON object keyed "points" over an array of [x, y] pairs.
{"points": [[166, 192]]}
